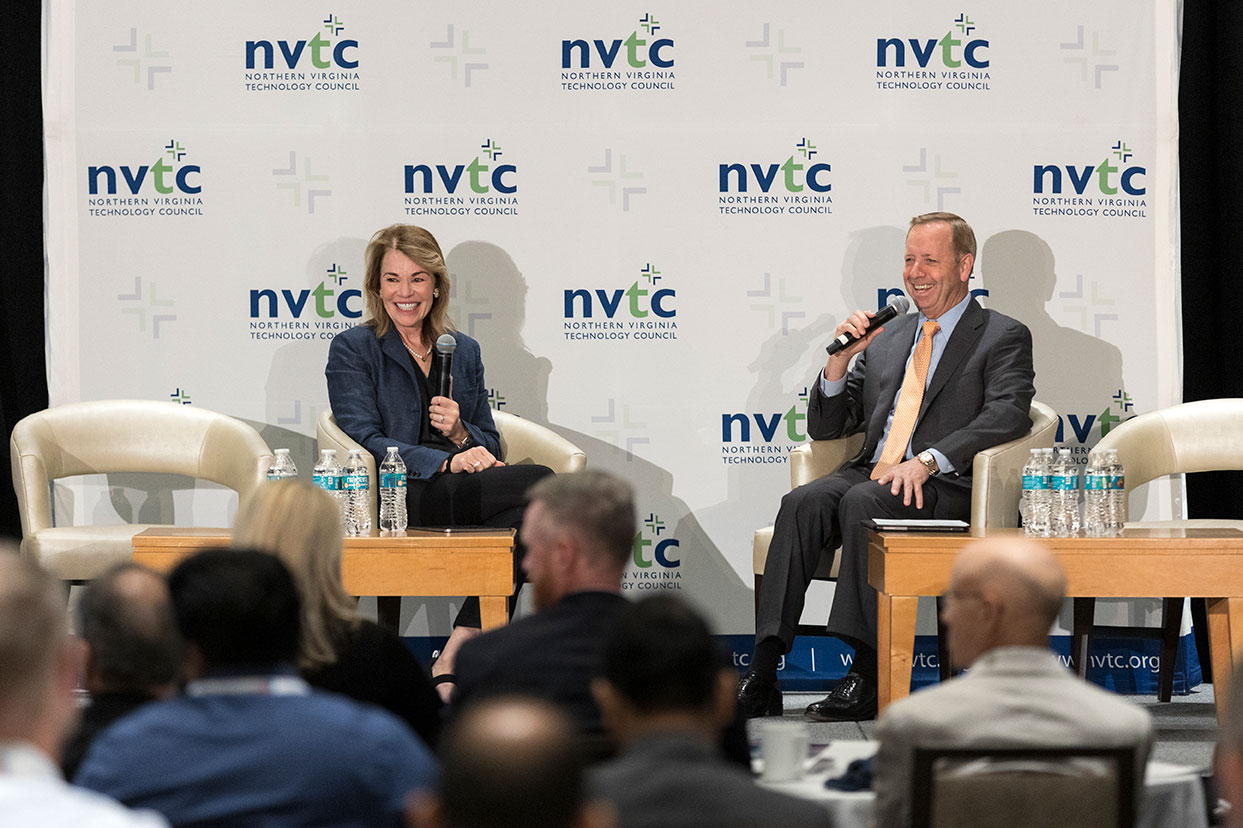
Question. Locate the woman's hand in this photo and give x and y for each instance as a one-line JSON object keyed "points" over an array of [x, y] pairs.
{"points": [[446, 418], [473, 460]]}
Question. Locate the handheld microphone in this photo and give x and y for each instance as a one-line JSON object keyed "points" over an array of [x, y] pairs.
{"points": [[897, 306], [444, 363]]}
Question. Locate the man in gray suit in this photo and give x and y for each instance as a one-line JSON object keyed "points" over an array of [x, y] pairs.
{"points": [[667, 694], [929, 390], [1004, 596]]}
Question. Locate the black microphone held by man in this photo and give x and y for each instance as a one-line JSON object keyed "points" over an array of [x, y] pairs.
{"points": [[897, 306]]}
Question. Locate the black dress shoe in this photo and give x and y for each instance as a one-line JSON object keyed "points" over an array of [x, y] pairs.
{"points": [[852, 700], [757, 696]]}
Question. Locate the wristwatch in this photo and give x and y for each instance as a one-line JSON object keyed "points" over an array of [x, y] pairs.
{"points": [[930, 462]]}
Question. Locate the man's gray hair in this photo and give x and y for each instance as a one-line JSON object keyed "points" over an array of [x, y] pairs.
{"points": [[598, 505]]}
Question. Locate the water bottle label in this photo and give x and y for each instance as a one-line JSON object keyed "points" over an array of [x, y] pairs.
{"points": [[392, 480], [1065, 482], [1035, 481], [1095, 482], [356, 482], [274, 475], [327, 482], [1117, 482]]}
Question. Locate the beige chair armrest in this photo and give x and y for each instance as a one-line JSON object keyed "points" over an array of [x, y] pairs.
{"points": [[997, 472], [816, 458], [523, 441], [1191, 437], [329, 435], [30, 480]]}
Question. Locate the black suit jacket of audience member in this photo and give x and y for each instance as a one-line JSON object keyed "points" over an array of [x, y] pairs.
{"points": [[553, 654]]}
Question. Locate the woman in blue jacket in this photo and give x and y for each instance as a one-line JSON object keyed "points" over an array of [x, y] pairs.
{"points": [[382, 380]]}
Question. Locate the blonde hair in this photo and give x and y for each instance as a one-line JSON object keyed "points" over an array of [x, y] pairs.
{"points": [[423, 249], [301, 525]]}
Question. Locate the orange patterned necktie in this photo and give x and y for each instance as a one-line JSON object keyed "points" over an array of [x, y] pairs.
{"points": [[910, 397]]}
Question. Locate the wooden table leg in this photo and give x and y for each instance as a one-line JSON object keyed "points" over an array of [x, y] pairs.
{"points": [[895, 646], [1225, 630], [388, 612], [493, 612]]}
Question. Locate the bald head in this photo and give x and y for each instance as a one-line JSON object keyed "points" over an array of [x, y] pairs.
{"points": [[1004, 592], [510, 762]]}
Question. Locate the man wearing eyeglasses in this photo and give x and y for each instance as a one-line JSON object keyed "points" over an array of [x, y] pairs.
{"points": [[1004, 596]]}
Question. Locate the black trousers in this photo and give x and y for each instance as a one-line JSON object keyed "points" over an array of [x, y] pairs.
{"points": [[495, 498], [828, 513]]}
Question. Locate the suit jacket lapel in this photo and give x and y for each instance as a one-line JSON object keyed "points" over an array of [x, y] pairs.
{"points": [[966, 334], [393, 348]]}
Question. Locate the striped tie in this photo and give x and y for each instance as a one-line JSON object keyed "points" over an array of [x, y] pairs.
{"points": [[910, 397]]}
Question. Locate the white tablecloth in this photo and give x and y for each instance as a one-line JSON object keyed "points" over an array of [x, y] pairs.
{"points": [[1173, 795]]}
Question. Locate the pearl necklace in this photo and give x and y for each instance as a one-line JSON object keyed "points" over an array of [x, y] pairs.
{"points": [[413, 353]]}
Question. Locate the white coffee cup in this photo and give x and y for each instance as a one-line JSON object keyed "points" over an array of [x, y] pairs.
{"points": [[783, 747]]}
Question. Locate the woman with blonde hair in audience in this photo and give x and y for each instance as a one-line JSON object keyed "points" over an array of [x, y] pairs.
{"points": [[340, 651]]}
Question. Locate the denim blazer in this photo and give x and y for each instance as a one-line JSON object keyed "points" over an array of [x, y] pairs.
{"points": [[375, 397]]}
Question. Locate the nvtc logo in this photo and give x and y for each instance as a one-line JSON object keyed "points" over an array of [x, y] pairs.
{"points": [[657, 560], [737, 427], [639, 50], [329, 300], [1107, 176], [1081, 426], [642, 301], [650, 549], [478, 174], [165, 176], [794, 175], [320, 51], [950, 51]]}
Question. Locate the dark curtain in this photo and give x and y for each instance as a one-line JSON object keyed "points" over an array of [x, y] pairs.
{"points": [[1211, 116], [1210, 104], [23, 382]]}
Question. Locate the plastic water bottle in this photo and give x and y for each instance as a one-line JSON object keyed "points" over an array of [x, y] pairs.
{"points": [[1115, 516], [327, 474], [1064, 483], [1047, 456], [1034, 502], [1097, 495], [393, 492], [357, 499], [282, 466]]}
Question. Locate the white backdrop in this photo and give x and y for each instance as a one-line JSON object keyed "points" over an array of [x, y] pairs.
{"points": [[207, 219]]}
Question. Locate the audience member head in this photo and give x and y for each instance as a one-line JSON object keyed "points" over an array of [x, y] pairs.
{"points": [[1002, 593], [423, 249], [301, 524], [237, 609], [579, 532], [126, 619], [663, 671], [508, 762], [1228, 759], [38, 661]]}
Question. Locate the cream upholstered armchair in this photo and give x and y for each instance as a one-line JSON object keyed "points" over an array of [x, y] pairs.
{"points": [[113, 436], [1206, 435], [522, 441], [997, 475]]}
